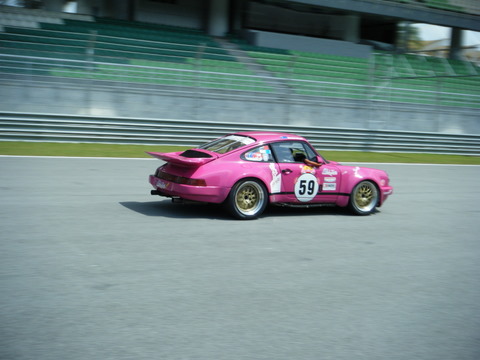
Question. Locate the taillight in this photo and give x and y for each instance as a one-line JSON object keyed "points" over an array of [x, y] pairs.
{"points": [[196, 182], [180, 179]]}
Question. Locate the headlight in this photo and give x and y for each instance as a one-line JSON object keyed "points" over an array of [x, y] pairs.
{"points": [[384, 181]]}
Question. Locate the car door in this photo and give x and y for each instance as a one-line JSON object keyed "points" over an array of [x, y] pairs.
{"points": [[330, 178], [302, 183]]}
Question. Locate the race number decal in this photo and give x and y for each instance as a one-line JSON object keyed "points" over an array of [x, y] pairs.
{"points": [[306, 187]]}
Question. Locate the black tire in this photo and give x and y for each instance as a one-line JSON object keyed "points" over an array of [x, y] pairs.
{"points": [[364, 198], [247, 199]]}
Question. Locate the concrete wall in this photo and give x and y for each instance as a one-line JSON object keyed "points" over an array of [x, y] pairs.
{"points": [[158, 102]]}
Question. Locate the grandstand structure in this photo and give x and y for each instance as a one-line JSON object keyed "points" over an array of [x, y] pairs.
{"points": [[317, 63]]}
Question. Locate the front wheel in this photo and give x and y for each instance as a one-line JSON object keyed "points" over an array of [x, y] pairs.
{"points": [[364, 198], [247, 199]]}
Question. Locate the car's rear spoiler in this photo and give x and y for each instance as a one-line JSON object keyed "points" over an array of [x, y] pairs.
{"points": [[177, 159]]}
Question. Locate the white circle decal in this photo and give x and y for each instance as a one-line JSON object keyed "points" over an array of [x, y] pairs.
{"points": [[306, 187]]}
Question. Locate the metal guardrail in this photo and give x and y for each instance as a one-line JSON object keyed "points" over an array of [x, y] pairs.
{"points": [[21, 68], [88, 129], [28, 68]]}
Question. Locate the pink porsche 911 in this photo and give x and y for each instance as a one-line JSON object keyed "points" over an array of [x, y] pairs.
{"points": [[246, 171]]}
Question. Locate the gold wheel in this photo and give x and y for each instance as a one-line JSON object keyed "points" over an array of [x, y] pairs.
{"points": [[248, 199], [364, 198]]}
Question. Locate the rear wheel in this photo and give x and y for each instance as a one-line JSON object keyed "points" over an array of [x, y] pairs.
{"points": [[247, 199], [364, 198]]}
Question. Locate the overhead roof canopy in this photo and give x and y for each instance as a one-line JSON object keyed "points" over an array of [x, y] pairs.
{"points": [[408, 12]]}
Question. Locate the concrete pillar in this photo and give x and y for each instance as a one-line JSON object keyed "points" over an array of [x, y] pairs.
{"points": [[351, 28], [456, 42], [236, 15], [403, 36], [217, 24]]}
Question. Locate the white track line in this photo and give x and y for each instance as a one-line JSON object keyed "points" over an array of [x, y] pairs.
{"points": [[115, 158]]}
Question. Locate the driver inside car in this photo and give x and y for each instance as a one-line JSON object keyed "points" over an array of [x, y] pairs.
{"points": [[300, 157]]}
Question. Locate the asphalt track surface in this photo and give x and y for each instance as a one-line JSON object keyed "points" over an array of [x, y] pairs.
{"points": [[93, 267]]}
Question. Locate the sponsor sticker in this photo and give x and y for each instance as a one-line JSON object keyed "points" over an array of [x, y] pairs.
{"points": [[276, 182], [266, 153], [255, 156], [305, 169], [329, 186], [355, 172], [330, 179], [262, 153], [329, 172]]}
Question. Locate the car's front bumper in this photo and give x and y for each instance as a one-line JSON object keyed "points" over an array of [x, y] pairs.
{"points": [[210, 194], [385, 192]]}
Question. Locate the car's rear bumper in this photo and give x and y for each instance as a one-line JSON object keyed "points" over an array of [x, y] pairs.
{"points": [[210, 194]]}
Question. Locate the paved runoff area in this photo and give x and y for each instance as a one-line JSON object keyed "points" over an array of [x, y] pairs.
{"points": [[94, 267]]}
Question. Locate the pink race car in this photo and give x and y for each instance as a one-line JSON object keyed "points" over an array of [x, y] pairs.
{"points": [[248, 170]]}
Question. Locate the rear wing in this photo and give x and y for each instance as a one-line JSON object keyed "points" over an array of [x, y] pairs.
{"points": [[177, 159]]}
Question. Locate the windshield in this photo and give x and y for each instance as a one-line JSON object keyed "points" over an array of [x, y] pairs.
{"points": [[227, 143]]}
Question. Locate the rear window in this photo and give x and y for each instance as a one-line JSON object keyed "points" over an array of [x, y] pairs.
{"points": [[227, 143]]}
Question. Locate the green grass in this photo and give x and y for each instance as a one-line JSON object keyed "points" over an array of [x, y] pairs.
{"points": [[81, 149], [138, 151], [353, 156]]}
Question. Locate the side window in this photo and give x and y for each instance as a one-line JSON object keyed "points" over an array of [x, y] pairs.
{"points": [[292, 151], [311, 155], [260, 154]]}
